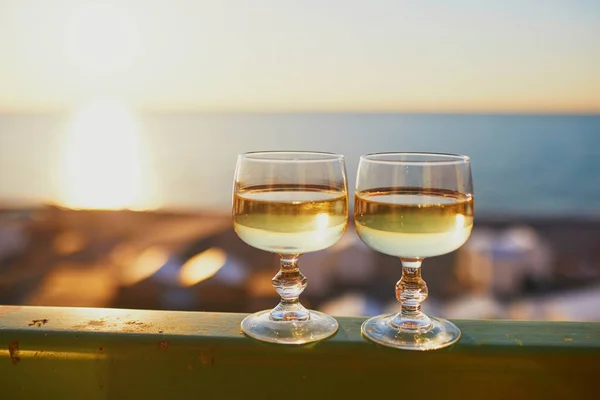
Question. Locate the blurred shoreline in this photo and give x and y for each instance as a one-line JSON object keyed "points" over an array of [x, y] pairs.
{"points": [[136, 259]]}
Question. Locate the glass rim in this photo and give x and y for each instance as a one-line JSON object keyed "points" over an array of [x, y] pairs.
{"points": [[269, 156], [428, 158]]}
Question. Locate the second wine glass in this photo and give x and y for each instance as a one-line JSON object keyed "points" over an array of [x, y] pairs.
{"points": [[412, 206], [290, 203]]}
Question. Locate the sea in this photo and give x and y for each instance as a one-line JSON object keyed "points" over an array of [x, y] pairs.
{"points": [[523, 165]]}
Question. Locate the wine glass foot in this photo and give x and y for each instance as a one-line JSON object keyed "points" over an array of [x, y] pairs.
{"points": [[318, 327], [441, 334]]}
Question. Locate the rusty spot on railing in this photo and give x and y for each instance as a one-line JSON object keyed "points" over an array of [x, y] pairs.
{"points": [[38, 322], [91, 324], [135, 327], [207, 356], [13, 350]]}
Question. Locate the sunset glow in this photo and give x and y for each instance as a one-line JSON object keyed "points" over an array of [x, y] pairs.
{"points": [[102, 159], [289, 55]]}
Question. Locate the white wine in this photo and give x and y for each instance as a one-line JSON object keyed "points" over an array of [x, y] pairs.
{"points": [[413, 222], [290, 219]]}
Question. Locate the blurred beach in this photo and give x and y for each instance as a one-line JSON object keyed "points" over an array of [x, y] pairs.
{"points": [[510, 268]]}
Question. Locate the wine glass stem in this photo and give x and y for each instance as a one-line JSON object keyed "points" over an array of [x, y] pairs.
{"points": [[411, 291], [289, 283]]}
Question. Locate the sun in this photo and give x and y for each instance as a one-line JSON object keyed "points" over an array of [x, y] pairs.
{"points": [[102, 165]]}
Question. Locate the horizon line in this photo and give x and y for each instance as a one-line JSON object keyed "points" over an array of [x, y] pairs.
{"points": [[307, 110]]}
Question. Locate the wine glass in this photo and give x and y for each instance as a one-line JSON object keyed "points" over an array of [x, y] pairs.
{"points": [[290, 203], [412, 206]]}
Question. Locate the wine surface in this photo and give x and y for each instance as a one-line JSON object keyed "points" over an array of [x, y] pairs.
{"points": [[413, 222], [290, 219]]}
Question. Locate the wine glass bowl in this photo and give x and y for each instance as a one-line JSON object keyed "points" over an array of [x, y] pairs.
{"points": [[290, 203], [413, 206]]}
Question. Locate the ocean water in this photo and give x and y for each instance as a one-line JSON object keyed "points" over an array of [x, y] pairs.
{"points": [[523, 165]]}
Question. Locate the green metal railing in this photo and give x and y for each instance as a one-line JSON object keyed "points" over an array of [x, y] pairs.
{"points": [[77, 353]]}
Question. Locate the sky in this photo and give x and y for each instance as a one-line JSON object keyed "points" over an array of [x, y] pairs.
{"points": [[285, 55]]}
